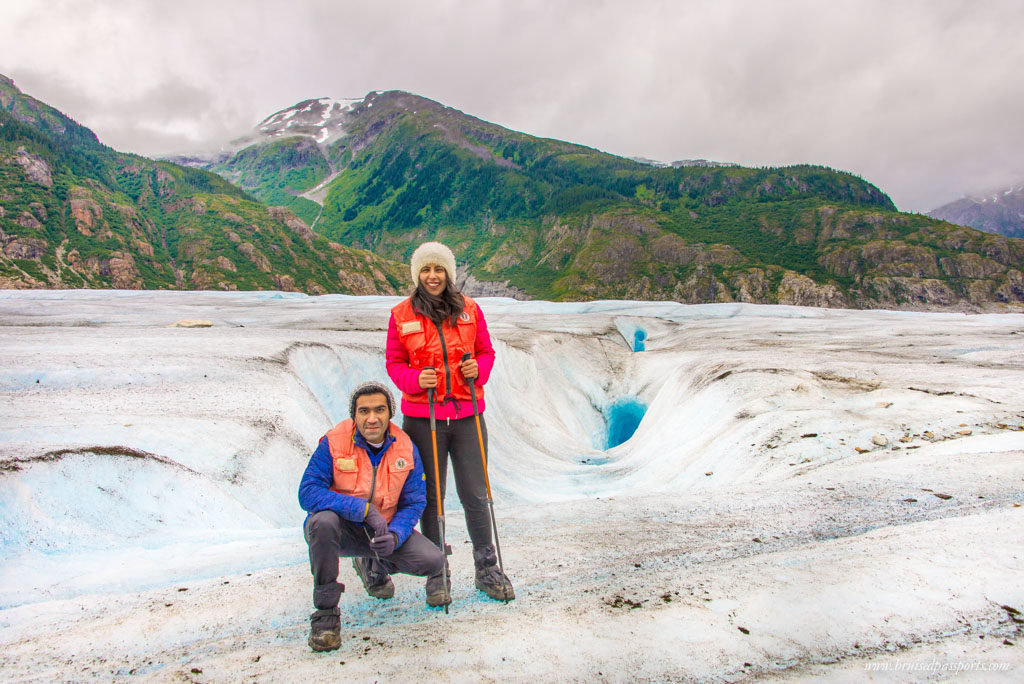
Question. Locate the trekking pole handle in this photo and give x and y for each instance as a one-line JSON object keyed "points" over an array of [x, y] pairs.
{"points": [[472, 382]]}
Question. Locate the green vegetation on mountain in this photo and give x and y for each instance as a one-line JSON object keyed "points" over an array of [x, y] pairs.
{"points": [[411, 179], [551, 219], [75, 213], [563, 221], [279, 172]]}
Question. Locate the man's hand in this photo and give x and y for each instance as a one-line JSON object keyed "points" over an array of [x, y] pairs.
{"points": [[384, 545], [375, 521], [428, 378], [470, 371]]}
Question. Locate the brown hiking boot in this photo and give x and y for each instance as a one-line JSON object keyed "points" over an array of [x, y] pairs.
{"points": [[377, 583], [437, 593], [489, 577], [325, 630]]}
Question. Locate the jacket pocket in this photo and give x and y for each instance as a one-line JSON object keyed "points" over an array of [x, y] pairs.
{"points": [[345, 481], [398, 471]]}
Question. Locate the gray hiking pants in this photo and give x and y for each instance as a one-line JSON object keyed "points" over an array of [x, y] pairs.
{"points": [[459, 439], [330, 537]]}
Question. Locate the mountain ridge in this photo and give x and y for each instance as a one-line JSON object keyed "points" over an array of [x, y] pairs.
{"points": [[564, 221], [76, 213], [355, 185], [1000, 211]]}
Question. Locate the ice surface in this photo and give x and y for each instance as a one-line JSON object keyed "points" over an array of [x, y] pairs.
{"points": [[633, 333], [844, 485]]}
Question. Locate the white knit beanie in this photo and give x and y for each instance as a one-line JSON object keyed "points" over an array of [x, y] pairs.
{"points": [[432, 253]]}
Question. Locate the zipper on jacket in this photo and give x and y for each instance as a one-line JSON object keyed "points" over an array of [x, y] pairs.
{"points": [[447, 371], [373, 483], [373, 479]]}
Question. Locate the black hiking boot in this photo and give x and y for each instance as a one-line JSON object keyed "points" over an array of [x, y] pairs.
{"points": [[325, 630], [377, 583], [438, 594], [489, 577]]}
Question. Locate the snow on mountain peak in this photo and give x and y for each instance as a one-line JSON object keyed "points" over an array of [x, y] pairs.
{"points": [[320, 119]]}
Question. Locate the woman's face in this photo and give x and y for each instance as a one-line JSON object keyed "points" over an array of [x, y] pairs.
{"points": [[433, 278]]}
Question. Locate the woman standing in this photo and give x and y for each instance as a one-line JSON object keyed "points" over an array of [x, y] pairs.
{"points": [[428, 334]]}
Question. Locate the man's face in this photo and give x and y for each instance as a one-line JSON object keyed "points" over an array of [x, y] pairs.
{"points": [[372, 417]]}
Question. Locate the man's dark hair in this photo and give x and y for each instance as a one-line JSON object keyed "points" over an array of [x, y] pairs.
{"points": [[371, 387]]}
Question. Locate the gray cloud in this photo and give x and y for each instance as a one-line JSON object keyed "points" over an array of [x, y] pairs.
{"points": [[920, 97], [167, 116]]}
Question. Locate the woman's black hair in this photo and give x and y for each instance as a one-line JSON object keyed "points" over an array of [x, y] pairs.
{"points": [[448, 305]]}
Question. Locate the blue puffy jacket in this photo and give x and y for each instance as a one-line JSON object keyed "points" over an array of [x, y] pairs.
{"points": [[315, 489]]}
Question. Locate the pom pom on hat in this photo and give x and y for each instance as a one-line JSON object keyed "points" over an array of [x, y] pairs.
{"points": [[432, 253]]}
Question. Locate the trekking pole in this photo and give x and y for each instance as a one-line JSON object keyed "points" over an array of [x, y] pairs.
{"points": [[483, 459], [445, 549]]}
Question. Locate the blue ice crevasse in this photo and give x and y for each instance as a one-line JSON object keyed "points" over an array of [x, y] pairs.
{"points": [[623, 417]]}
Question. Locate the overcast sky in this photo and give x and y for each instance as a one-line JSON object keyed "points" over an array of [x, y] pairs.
{"points": [[923, 98]]}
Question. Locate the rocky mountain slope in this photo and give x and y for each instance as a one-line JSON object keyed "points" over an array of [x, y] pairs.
{"points": [[1000, 212], [562, 221], [75, 213]]}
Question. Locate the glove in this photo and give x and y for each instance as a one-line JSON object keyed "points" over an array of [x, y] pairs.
{"points": [[375, 521], [384, 545]]}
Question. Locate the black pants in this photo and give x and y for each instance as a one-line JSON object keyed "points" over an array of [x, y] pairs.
{"points": [[329, 537], [457, 438]]}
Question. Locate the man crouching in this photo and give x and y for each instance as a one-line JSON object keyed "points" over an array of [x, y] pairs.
{"points": [[364, 491]]}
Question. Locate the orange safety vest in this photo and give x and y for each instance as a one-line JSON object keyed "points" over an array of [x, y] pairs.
{"points": [[354, 474], [426, 347]]}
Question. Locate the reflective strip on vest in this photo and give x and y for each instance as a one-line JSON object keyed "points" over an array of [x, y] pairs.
{"points": [[353, 472]]}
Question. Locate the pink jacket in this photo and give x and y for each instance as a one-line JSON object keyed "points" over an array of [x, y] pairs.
{"points": [[406, 378]]}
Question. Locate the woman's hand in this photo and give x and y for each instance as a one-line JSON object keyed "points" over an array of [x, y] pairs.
{"points": [[470, 371], [428, 378]]}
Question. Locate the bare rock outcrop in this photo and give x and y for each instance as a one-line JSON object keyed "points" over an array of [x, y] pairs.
{"points": [[35, 167], [752, 287], [28, 220], [357, 283], [285, 283], [85, 212], [970, 265], [468, 283], [902, 292], [118, 269], [701, 287], [288, 218], [226, 264], [1012, 289], [25, 248], [799, 290], [255, 256], [882, 258]]}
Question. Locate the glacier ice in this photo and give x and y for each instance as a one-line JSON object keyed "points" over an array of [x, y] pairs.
{"points": [[146, 457]]}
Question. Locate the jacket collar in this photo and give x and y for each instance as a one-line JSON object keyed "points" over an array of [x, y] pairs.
{"points": [[360, 441]]}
